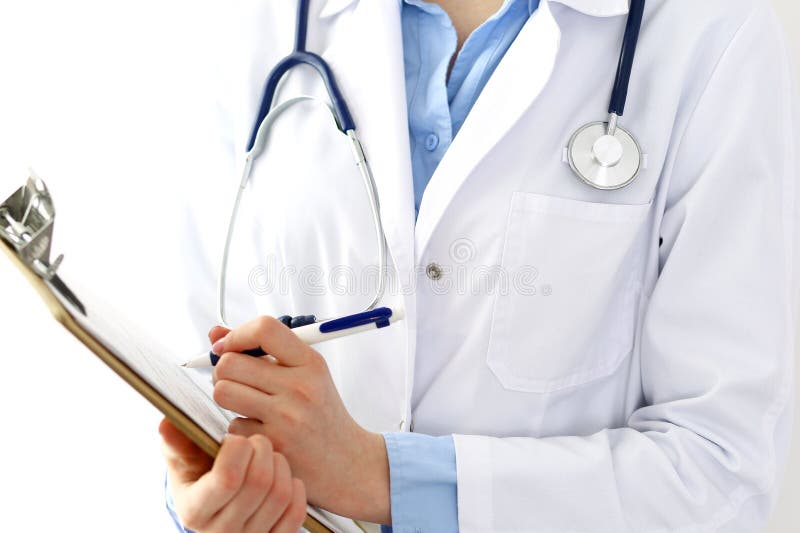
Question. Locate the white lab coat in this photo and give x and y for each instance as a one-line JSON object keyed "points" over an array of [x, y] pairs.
{"points": [[595, 379]]}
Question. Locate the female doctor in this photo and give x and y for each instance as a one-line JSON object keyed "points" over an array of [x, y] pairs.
{"points": [[572, 358]]}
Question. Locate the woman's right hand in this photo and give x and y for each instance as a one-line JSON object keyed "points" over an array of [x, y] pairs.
{"points": [[248, 488]]}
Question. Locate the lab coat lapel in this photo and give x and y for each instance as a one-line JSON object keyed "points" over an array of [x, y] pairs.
{"points": [[366, 55], [514, 86]]}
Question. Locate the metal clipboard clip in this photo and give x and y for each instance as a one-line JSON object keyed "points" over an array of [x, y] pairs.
{"points": [[26, 220], [26, 223]]}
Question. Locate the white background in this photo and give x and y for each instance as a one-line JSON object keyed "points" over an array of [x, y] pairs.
{"points": [[102, 98]]}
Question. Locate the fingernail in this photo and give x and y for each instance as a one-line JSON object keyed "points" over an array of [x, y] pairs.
{"points": [[219, 347]]}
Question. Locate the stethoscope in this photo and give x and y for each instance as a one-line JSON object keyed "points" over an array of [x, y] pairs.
{"points": [[602, 154], [267, 114]]}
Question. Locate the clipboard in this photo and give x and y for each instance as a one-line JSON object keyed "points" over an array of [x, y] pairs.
{"points": [[26, 228]]}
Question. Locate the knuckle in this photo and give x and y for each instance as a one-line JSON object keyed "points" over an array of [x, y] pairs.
{"points": [[188, 514], [224, 366], [190, 520], [260, 476], [282, 493], [317, 362], [278, 442], [305, 391], [263, 442], [318, 366], [287, 415], [222, 390], [298, 512], [267, 325], [282, 463], [298, 515], [228, 480]]}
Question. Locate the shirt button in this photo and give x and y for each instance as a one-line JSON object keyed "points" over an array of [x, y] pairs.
{"points": [[431, 142], [433, 271]]}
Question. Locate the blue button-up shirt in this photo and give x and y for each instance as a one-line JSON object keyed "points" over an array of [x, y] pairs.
{"points": [[438, 105], [423, 468]]}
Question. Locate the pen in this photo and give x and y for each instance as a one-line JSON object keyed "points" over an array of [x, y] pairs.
{"points": [[320, 332]]}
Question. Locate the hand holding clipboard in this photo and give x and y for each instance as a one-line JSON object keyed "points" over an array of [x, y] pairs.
{"points": [[26, 228]]}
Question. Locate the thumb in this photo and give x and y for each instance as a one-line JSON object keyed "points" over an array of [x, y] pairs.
{"points": [[186, 462]]}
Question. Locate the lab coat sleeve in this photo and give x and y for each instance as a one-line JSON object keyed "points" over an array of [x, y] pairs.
{"points": [[716, 345], [422, 472]]}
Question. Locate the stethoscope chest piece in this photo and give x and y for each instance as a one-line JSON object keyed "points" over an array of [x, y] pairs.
{"points": [[602, 154], [604, 158]]}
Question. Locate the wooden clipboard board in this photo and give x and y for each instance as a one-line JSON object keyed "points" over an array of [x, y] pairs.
{"points": [[183, 422]]}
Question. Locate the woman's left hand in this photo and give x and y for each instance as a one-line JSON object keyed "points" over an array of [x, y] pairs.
{"points": [[294, 402]]}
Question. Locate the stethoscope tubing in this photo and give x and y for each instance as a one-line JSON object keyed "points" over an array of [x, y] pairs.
{"points": [[300, 56], [346, 124], [619, 94]]}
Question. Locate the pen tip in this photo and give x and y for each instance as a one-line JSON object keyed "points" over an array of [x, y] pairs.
{"points": [[183, 364]]}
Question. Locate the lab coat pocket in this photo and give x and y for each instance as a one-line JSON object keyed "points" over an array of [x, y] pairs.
{"points": [[567, 314]]}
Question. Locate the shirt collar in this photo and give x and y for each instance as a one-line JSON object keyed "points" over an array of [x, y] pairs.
{"points": [[596, 8]]}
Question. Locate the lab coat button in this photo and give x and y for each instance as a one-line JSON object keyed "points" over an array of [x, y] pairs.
{"points": [[433, 271], [431, 142]]}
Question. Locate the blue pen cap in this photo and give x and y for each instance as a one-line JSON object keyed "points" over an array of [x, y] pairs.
{"points": [[379, 316]]}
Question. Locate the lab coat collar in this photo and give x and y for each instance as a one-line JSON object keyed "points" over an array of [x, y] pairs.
{"points": [[366, 53], [332, 8], [596, 8], [373, 80], [511, 90]]}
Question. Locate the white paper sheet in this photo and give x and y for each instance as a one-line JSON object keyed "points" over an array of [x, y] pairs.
{"points": [[151, 361], [190, 390]]}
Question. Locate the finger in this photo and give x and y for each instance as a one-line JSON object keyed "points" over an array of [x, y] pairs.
{"points": [[246, 427], [256, 372], [271, 336], [217, 487], [295, 514], [257, 483], [186, 462], [216, 333], [276, 501], [241, 399], [176, 441]]}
